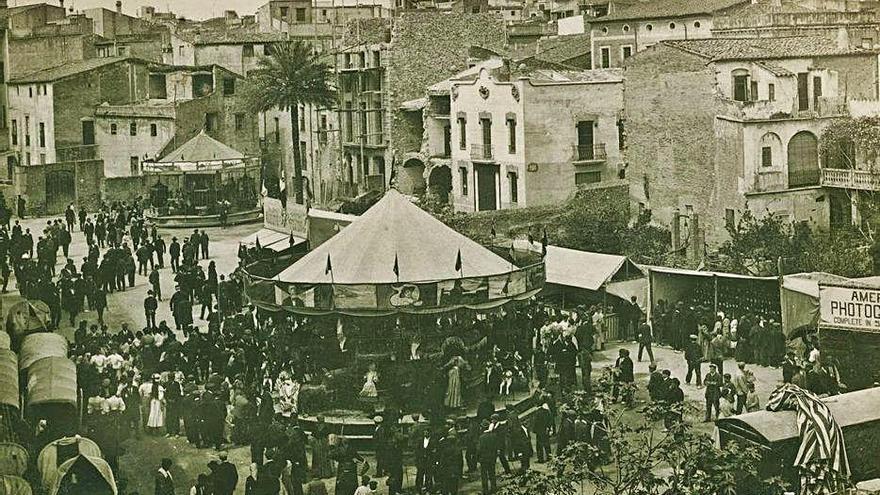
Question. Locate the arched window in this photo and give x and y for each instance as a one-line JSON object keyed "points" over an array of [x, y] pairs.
{"points": [[803, 160], [770, 153]]}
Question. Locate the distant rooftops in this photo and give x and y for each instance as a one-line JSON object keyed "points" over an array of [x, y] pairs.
{"points": [[70, 69], [658, 9], [229, 36], [764, 48]]}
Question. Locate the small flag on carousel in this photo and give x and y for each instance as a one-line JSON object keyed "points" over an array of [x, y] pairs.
{"points": [[544, 244], [396, 268], [258, 243], [329, 267], [458, 261]]}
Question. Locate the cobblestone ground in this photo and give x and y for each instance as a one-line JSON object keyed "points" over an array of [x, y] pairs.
{"points": [[141, 456]]}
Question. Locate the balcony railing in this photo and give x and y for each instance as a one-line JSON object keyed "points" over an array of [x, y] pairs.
{"points": [[77, 153], [589, 152], [481, 152], [863, 180], [803, 178]]}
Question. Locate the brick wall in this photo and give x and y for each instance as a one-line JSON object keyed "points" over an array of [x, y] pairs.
{"points": [[429, 47], [670, 109]]}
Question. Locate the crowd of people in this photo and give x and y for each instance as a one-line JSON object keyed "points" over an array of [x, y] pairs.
{"points": [[239, 376]]}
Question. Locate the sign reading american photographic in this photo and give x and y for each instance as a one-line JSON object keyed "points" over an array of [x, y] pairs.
{"points": [[855, 308]]}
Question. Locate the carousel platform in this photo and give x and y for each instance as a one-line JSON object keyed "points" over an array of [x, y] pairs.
{"points": [[200, 221], [358, 428]]}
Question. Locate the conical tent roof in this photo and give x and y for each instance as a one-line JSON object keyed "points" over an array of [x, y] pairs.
{"points": [[364, 252], [202, 148]]}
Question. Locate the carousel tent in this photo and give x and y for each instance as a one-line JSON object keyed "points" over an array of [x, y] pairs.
{"points": [[426, 249], [14, 485], [13, 459], [9, 378], [40, 345], [51, 380], [202, 148], [59, 452], [397, 257], [92, 475]]}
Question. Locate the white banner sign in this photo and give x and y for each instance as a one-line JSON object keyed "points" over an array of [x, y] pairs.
{"points": [[850, 307]]}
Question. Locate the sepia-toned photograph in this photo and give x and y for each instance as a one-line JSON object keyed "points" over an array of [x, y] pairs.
{"points": [[439, 247]]}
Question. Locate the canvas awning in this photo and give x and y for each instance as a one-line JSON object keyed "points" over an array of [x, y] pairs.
{"points": [[37, 346], [582, 269], [9, 394], [414, 105], [799, 299]]}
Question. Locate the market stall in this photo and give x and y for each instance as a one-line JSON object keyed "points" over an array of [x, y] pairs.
{"points": [[799, 300], [849, 330], [37, 346], [730, 293]]}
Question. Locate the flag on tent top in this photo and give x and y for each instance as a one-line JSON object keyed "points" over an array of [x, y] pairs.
{"points": [[396, 267], [458, 261], [329, 267]]}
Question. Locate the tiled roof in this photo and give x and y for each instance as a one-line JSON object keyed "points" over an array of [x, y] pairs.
{"points": [[776, 70], [143, 109], [765, 7], [654, 9], [763, 48], [560, 49], [229, 37], [567, 76], [67, 70], [469, 74]]}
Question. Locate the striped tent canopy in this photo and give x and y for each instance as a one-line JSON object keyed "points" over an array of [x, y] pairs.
{"points": [[821, 459]]}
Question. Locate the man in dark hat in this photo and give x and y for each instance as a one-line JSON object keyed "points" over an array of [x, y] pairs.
{"points": [[174, 254], [150, 307], [693, 356], [226, 475]]}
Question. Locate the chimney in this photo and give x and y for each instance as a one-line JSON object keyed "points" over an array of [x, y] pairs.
{"points": [[842, 38], [118, 6]]}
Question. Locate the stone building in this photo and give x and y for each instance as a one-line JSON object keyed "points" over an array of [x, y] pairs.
{"points": [[716, 126], [24, 20], [498, 138], [181, 102], [378, 74], [631, 28]]}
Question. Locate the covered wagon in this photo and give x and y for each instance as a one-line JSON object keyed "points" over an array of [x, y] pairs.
{"points": [[14, 485], [52, 394], [9, 396], [83, 474], [58, 452], [37, 346]]}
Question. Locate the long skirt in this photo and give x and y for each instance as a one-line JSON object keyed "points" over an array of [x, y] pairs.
{"points": [[322, 466], [453, 389], [156, 418]]}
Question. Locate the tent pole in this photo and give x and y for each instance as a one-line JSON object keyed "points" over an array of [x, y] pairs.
{"points": [[715, 284]]}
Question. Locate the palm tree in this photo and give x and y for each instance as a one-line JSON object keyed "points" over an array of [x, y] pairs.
{"points": [[292, 75]]}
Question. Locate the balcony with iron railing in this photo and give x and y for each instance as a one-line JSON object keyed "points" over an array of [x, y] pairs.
{"points": [[862, 180], [481, 153], [589, 153]]}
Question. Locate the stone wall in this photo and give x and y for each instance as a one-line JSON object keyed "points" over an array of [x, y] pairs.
{"points": [[670, 106], [124, 188], [88, 175], [428, 47], [27, 55], [76, 97]]}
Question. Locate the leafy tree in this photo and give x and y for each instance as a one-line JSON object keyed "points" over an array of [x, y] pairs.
{"points": [[291, 76]]}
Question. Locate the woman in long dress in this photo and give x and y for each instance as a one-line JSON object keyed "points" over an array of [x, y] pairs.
{"points": [[322, 466], [156, 418], [369, 390], [453, 385]]}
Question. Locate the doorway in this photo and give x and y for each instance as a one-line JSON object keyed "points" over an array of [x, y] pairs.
{"points": [[840, 210], [487, 192], [60, 190]]}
